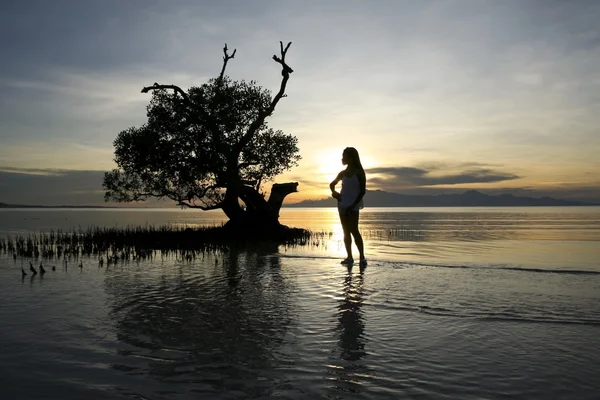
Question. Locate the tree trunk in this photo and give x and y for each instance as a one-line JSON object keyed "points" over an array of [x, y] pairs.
{"points": [[231, 206], [259, 215], [278, 192]]}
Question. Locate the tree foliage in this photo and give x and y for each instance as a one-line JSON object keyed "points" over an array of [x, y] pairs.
{"points": [[198, 145]]}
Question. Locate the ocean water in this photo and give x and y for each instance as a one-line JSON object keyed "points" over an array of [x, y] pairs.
{"points": [[457, 303]]}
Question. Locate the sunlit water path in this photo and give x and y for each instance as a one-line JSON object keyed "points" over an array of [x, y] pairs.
{"points": [[455, 303]]}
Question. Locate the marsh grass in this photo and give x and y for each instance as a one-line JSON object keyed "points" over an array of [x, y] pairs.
{"points": [[134, 242], [399, 233], [140, 243]]}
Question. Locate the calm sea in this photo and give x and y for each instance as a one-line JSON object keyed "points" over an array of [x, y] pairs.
{"points": [[456, 303]]}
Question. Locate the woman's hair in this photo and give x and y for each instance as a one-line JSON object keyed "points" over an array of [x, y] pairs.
{"points": [[353, 158]]}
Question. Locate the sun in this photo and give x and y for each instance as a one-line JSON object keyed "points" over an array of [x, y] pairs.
{"points": [[329, 163]]}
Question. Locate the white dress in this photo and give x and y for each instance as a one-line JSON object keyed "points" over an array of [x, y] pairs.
{"points": [[349, 193]]}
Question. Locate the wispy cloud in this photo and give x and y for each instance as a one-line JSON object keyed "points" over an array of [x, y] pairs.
{"points": [[56, 155], [50, 186], [411, 177], [32, 171]]}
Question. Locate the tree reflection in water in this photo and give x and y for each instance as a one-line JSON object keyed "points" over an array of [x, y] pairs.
{"points": [[216, 324], [348, 369]]}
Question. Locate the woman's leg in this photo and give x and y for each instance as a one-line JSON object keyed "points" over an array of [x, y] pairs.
{"points": [[344, 219], [353, 227]]}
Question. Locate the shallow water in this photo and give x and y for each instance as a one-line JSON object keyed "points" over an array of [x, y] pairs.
{"points": [[434, 315], [528, 237]]}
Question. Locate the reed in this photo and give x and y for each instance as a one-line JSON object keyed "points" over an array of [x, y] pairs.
{"points": [[398, 233], [145, 242], [135, 242]]}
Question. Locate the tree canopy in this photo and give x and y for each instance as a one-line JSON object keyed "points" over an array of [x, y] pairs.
{"points": [[205, 147]]}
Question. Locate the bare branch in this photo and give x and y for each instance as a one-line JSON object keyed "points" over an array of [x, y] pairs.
{"points": [[141, 196], [260, 119], [259, 182], [204, 202], [184, 201], [177, 89], [286, 68], [203, 192], [192, 196], [226, 57], [194, 205]]}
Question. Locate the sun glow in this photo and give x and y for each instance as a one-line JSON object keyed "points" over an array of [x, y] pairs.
{"points": [[330, 164]]}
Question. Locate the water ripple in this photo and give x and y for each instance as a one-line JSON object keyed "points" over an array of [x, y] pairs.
{"points": [[263, 325]]}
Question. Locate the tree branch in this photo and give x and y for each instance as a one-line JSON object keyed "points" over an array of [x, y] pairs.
{"points": [[193, 205], [195, 109], [140, 196], [180, 200], [176, 88], [262, 115], [286, 68], [248, 164], [202, 193], [226, 57]]}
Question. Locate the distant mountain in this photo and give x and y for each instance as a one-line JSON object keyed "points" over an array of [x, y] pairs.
{"points": [[379, 198], [4, 205], [471, 198]]}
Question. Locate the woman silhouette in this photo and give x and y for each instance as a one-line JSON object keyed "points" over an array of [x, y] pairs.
{"points": [[350, 201]]}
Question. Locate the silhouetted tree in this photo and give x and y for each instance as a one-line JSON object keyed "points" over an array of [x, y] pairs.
{"points": [[208, 148]]}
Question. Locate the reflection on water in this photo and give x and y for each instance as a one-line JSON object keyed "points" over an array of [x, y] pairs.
{"points": [[475, 308], [467, 223], [212, 326], [534, 237], [258, 325], [348, 370], [351, 326]]}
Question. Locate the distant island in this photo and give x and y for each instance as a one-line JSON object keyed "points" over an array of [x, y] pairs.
{"points": [[380, 198], [471, 198], [4, 205]]}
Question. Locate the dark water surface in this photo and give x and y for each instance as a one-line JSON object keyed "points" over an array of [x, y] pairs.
{"points": [[509, 310]]}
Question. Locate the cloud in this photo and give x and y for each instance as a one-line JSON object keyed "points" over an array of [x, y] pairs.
{"points": [[54, 155], [588, 194], [31, 171], [418, 177], [50, 186]]}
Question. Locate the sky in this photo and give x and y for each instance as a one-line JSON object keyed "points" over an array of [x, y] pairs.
{"points": [[437, 96]]}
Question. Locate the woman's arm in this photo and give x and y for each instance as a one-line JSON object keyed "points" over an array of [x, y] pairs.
{"points": [[334, 193]]}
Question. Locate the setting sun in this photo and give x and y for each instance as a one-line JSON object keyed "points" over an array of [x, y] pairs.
{"points": [[330, 163]]}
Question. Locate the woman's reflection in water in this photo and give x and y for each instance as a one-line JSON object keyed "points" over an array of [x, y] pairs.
{"points": [[351, 326], [351, 337]]}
